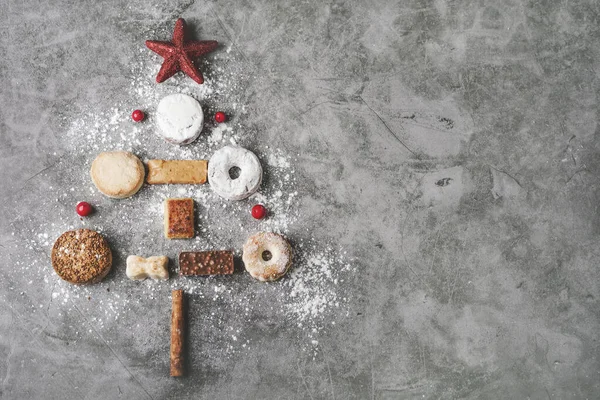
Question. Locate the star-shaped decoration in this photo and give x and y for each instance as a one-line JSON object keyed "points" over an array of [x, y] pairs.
{"points": [[179, 53]]}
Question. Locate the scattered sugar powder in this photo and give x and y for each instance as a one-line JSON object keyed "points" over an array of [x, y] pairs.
{"points": [[309, 297], [278, 161], [314, 294], [217, 133]]}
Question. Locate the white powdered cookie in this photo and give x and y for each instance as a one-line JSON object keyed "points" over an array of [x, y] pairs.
{"points": [[180, 118], [220, 169], [140, 268], [117, 174]]}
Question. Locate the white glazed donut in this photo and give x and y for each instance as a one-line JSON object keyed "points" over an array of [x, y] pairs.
{"points": [[180, 118], [255, 261], [219, 176]]}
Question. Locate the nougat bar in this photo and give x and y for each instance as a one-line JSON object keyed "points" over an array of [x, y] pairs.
{"points": [[206, 262]]}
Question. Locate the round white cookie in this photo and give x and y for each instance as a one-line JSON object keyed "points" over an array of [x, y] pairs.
{"points": [[220, 173], [117, 174], [180, 118]]}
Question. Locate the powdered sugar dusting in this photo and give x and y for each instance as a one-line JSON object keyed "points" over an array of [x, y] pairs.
{"points": [[309, 297]]}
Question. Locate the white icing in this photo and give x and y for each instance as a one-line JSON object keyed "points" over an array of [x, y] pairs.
{"points": [[180, 118], [243, 186]]}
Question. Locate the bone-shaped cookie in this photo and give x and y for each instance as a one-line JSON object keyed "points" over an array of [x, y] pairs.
{"points": [[139, 268]]}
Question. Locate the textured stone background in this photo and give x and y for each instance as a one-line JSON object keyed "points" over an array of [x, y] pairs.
{"points": [[450, 147]]}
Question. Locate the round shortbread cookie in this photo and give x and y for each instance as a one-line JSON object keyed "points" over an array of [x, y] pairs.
{"points": [[81, 256], [267, 256], [180, 118], [117, 174], [221, 166]]}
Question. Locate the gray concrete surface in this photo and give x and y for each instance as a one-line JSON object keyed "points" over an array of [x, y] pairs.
{"points": [[445, 159]]}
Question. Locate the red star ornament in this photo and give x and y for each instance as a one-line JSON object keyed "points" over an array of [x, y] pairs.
{"points": [[179, 53]]}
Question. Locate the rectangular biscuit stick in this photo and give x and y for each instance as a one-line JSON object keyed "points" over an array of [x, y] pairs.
{"points": [[179, 218], [177, 171], [206, 262], [177, 339]]}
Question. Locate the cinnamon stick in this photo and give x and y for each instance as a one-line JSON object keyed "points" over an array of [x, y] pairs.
{"points": [[177, 326]]}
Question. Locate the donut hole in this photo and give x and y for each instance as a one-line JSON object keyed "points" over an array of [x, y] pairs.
{"points": [[266, 255], [234, 172]]}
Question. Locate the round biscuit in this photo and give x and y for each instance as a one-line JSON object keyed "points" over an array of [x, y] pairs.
{"points": [[117, 174], [81, 256]]}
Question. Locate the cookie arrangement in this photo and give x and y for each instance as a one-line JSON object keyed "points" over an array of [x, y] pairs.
{"points": [[121, 174], [234, 173]]}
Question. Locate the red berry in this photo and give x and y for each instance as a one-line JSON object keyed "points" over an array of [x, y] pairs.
{"points": [[259, 211], [83, 208], [220, 116], [137, 115]]}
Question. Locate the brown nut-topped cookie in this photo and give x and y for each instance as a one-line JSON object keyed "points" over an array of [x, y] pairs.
{"points": [[81, 256]]}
